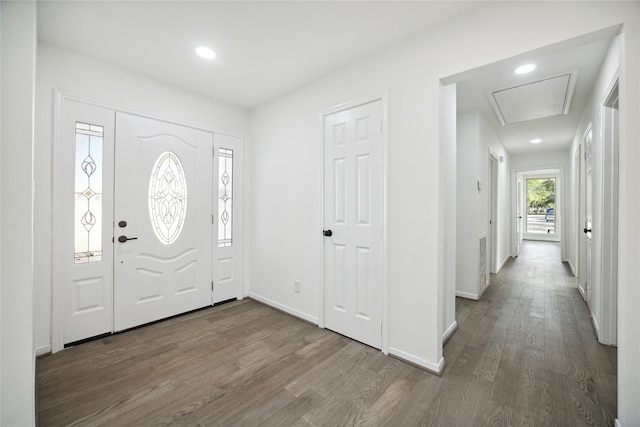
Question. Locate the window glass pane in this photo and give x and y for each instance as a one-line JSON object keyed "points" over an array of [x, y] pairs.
{"points": [[88, 193], [225, 197], [167, 197]]}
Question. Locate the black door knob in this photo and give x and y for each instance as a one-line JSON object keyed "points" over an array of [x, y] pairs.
{"points": [[587, 230], [123, 239], [327, 233]]}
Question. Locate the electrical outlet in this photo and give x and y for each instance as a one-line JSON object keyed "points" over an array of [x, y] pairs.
{"points": [[296, 286]]}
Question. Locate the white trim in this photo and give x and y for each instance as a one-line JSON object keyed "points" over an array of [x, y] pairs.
{"points": [[435, 368], [57, 297], [449, 332], [608, 221], [596, 327], [582, 291], [468, 295], [42, 350], [383, 97], [289, 310], [616, 423], [504, 261], [572, 268]]}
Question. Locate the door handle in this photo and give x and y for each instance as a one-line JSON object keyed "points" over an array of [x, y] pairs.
{"points": [[587, 230], [327, 233], [123, 239]]}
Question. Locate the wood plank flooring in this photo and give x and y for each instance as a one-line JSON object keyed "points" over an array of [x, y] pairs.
{"points": [[524, 355]]}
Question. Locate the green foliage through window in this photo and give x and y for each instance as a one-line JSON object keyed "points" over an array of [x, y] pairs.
{"points": [[541, 194]]}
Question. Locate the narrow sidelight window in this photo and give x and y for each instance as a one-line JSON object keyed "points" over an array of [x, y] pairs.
{"points": [[88, 193], [225, 197]]}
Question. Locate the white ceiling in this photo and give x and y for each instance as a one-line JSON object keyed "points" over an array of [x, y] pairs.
{"points": [[556, 132], [265, 48], [268, 48]]}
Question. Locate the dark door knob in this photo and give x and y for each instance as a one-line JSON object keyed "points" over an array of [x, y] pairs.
{"points": [[587, 230], [123, 239], [327, 233]]}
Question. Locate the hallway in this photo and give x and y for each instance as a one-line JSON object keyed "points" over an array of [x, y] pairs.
{"points": [[524, 355], [527, 353]]}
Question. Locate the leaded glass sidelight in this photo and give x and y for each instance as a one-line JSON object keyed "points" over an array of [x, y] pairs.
{"points": [[225, 197], [167, 197], [88, 193]]}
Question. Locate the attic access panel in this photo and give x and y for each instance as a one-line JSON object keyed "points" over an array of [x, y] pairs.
{"points": [[535, 100]]}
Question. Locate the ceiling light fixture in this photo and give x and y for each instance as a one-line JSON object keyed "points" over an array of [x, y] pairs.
{"points": [[205, 52], [535, 141], [524, 69]]}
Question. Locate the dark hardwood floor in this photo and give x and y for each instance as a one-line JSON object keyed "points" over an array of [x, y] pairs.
{"points": [[524, 355]]}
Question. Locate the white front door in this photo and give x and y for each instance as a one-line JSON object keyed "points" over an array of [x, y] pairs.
{"points": [[353, 221], [162, 219], [149, 183]]}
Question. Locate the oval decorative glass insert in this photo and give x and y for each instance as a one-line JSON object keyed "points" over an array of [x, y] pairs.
{"points": [[167, 197]]}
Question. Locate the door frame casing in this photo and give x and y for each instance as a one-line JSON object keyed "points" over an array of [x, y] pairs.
{"points": [[367, 99], [57, 295], [609, 218]]}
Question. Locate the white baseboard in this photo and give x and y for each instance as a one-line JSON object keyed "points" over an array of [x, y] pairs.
{"points": [[582, 291], [467, 295], [449, 332], [434, 368], [504, 261], [45, 349], [292, 311], [616, 423], [572, 268], [596, 328]]}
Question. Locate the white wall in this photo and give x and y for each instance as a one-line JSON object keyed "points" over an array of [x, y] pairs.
{"points": [[68, 71], [17, 369], [468, 200], [489, 141], [629, 226], [592, 117], [286, 243], [475, 139]]}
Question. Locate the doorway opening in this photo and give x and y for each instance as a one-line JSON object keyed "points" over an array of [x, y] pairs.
{"points": [[541, 206]]}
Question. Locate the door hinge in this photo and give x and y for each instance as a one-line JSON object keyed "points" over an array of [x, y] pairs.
{"points": [[212, 285]]}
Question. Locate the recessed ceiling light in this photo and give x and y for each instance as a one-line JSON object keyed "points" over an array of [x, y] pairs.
{"points": [[205, 52], [524, 69], [535, 141]]}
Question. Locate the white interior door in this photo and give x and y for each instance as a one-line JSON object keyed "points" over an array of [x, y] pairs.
{"points": [[353, 220], [493, 217], [588, 280], [519, 217], [163, 220], [82, 217], [227, 236]]}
